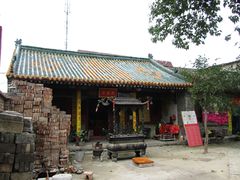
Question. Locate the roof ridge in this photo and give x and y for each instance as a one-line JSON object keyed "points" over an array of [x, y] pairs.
{"points": [[91, 54], [167, 70], [229, 63]]}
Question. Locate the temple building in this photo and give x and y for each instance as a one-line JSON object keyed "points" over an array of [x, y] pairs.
{"points": [[86, 84]]}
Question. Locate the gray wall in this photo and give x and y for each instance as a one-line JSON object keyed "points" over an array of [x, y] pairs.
{"points": [[184, 103]]}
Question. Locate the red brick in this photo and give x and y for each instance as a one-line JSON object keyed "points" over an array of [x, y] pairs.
{"points": [[29, 96], [27, 112], [18, 108], [36, 109], [43, 120], [37, 100], [35, 116], [28, 105]]}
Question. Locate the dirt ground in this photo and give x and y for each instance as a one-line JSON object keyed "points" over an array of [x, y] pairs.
{"points": [[171, 162]]}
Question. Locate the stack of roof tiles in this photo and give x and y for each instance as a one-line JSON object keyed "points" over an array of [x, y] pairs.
{"points": [[51, 125]]}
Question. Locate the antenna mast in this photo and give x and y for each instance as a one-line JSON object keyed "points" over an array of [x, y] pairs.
{"points": [[67, 11]]}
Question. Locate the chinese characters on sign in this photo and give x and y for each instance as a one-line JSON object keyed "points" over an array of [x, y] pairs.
{"points": [[189, 117], [107, 92]]}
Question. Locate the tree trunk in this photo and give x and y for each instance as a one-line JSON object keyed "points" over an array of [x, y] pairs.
{"points": [[206, 131]]}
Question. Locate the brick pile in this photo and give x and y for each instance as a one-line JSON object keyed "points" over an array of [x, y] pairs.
{"points": [[1, 102], [50, 125], [17, 146]]}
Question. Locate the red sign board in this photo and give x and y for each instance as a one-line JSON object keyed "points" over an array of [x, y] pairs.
{"points": [[193, 135], [107, 92], [192, 128]]}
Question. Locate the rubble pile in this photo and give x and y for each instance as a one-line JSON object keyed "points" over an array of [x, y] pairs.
{"points": [[50, 125], [17, 145]]}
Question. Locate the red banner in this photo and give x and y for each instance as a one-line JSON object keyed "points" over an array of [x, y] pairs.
{"points": [[107, 92], [218, 118]]}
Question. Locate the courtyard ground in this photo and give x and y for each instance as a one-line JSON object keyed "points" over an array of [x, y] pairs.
{"points": [[171, 162]]}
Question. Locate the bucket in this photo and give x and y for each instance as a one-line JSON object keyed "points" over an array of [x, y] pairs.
{"points": [[79, 155], [62, 177]]}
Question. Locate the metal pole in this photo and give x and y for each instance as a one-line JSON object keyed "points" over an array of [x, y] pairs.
{"points": [[67, 11]]}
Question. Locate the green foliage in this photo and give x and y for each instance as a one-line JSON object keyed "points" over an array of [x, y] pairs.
{"points": [[82, 136], [189, 21], [211, 85]]}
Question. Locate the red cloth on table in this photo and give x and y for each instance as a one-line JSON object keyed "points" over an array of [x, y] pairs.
{"points": [[169, 128]]}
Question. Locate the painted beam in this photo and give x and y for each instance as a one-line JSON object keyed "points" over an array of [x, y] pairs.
{"points": [[135, 121]]}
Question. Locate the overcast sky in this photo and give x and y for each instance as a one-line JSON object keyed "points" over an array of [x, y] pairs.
{"points": [[111, 26]]}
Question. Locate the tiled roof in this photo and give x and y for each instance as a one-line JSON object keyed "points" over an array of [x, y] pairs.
{"points": [[42, 64]]}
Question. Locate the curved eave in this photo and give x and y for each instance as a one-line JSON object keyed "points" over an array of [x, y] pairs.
{"points": [[75, 81], [10, 68]]}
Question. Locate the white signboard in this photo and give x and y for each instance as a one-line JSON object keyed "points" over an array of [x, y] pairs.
{"points": [[189, 117]]}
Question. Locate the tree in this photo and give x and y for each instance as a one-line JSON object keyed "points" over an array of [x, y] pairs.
{"points": [[210, 88], [190, 21]]}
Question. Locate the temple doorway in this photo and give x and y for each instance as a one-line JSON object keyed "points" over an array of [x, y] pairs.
{"points": [[98, 120]]}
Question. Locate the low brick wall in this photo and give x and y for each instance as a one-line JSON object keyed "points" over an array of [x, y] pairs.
{"points": [[4, 102], [17, 147], [50, 125]]}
